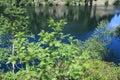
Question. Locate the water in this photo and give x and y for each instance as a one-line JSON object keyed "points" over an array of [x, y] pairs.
{"points": [[82, 21], [115, 46]]}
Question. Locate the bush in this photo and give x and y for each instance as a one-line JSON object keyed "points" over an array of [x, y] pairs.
{"points": [[55, 56], [116, 32]]}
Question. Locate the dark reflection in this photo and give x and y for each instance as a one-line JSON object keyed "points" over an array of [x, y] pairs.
{"points": [[80, 19], [88, 2], [114, 54]]}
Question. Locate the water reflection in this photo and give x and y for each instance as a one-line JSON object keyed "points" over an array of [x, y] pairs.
{"points": [[80, 19], [115, 50]]}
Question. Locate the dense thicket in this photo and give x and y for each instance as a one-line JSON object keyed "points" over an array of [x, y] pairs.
{"points": [[54, 55]]}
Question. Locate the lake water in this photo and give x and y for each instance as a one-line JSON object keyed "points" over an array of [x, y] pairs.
{"points": [[81, 21]]}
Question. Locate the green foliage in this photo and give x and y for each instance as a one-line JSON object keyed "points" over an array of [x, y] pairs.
{"points": [[13, 21], [116, 2], [39, 2], [17, 2], [116, 32], [4, 54], [57, 26], [97, 42], [51, 58], [24, 2]]}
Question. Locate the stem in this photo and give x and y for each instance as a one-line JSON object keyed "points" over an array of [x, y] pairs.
{"points": [[27, 67], [13, 50]]}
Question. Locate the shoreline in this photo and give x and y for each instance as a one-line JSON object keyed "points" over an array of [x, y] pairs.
{"points": [[64, 3], [59, 2]]}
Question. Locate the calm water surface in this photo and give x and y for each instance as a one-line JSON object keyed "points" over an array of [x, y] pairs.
{"points": [[81, 21]]}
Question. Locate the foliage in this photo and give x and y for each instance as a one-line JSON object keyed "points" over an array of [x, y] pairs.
{"points": [[17, 2], [116, 32], [100, 38], [116, 3], [12, 21], [54, 55], [39, 2]]}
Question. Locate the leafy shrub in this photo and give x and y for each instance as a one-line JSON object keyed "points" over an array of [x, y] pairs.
{"points": [[116, 32], [51, 58]]}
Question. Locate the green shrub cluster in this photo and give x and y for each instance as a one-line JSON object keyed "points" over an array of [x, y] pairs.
{"points": [[54, 56], [17, 2], [116, 32]]}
